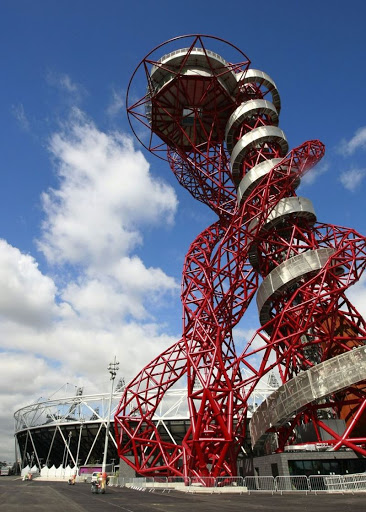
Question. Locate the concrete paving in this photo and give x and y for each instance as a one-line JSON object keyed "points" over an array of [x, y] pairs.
{"points": [[19, 496]]}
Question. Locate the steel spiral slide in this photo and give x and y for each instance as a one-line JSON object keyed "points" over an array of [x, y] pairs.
{"points": [[216, 122]]}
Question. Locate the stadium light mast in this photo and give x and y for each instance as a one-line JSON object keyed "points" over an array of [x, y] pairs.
{"points": [[112, 368]]}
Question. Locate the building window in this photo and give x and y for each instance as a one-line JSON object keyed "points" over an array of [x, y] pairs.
{"points": [[326, 467]]}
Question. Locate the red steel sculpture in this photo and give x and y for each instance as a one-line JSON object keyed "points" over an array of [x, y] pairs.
{"points": [[216, 122]]}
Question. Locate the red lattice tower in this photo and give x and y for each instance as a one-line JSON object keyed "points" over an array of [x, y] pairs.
{"points": [[217, 124]]}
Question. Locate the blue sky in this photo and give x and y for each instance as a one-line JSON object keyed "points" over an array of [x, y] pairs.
{"points": [[93, 228]]}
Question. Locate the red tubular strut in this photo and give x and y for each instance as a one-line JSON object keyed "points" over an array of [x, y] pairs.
{"points": [[217, 125]]}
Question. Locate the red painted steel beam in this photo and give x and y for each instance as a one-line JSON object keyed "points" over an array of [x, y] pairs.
{"points": [[191, 95]]}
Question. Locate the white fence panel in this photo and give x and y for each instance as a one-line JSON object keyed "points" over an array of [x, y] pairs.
{"points": [[229, 481], [318, 484], [355, 482], [113, 481], [159, 481], [178, 482], [142, 482], [260, 484], [334, 483], [297, 483], [124, 481], [197, 482]]}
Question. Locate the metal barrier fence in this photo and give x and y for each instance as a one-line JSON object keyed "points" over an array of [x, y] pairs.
{"points": [[338, 483], [175, 482], [197, 482], [313, 484], [326, 483], [229, 482], [292, 483], [260, 483], [355, 483], [113, 481]]}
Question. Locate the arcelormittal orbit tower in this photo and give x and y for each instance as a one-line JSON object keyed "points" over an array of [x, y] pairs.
{"points": [[216, 122]]}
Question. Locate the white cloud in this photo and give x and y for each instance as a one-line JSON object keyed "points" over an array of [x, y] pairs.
{"points": [[358, 141], [136, 278], [106, 194], [80, 353], [26, 375], [107, 298], [357, 295], [117, 103], [20, 115], [64, 83], [38, 358], [98, 302], [313, 174], [352, 179], [243, 335], [27, 296]]}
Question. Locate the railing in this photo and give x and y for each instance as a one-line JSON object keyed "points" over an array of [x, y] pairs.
{"points": [[314, 484], [292, 483], [260, 484], [143, 483], [197, 483], [113, 481], [178, 482], [355, 483], [225, 482]]}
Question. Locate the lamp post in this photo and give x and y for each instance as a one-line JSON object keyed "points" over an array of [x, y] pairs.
{"points": [[78, 448], [112, 368]]}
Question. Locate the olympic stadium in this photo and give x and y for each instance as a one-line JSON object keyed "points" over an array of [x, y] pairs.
{"points": [[70, 430]]}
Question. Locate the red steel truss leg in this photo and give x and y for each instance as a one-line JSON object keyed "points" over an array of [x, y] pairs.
{"points": [[217, 125]]}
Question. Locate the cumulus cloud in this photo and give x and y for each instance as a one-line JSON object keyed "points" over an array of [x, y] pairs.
{"points": [[358, 141], [136, 278], [33, 375], [24, 378], [117, 103], [106, 297], [27, 296], [21, 117], [352, 179], [64, 83], [97, 298], [106, 194], [80, 353], [357, 295], [310, 177]]}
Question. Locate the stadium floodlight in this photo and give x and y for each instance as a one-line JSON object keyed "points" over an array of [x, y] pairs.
{"points": [[112, 368]]}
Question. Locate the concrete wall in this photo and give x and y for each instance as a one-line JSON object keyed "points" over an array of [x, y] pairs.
{"points": [[125, 471]]}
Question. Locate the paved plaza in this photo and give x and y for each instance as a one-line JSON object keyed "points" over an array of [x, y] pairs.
{"points": [[19, 496]]}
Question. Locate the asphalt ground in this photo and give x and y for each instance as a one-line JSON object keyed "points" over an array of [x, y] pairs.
{"points": [[16, 495]]}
